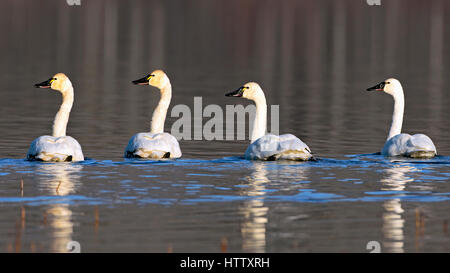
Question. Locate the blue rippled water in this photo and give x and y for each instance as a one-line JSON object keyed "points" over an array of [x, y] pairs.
{"points": [[222, 180]]}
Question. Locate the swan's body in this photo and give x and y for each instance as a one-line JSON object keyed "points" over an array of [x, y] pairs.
{"points": [[268, 146], [416, 146], [398, 143], [155, 144], [272, 147], [57, 147]]}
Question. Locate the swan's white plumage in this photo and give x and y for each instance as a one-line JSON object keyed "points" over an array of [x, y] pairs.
{"points": [[418, 145], [268, 146], [57, 147], [49, 148], [153, 145], [397, 143], [273, 147]]}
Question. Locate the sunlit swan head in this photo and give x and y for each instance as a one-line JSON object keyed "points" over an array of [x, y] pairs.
{"points": [[59, 82], [250, 91], [157, 79], [390, 86]]}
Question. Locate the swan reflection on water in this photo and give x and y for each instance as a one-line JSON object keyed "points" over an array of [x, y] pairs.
{"points": [[254, 211], [60, 179], [396, 178], [253, 227]]}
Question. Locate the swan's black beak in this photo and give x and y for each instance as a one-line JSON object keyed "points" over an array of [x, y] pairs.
{"points": [[46, 84], [143, 81], [378, 87], [236, 93]]}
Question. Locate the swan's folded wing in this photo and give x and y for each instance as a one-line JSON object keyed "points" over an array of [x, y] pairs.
{"points": [[420, 142], [286, 146], [291, 142], [264, 147], [49, 148], [407, 145], [146, 144], [396, 145], [291, 147]]}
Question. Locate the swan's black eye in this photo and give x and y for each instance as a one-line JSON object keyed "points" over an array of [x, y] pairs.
{"points": [[388, 82]]}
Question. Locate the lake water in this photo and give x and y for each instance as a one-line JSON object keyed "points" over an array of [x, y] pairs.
{"points": [[312, 58]]}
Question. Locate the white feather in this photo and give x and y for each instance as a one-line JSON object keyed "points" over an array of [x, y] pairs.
{"points": [[274, 147], [156, 144], [407, 145], [268, 146], [58, 147], [398, 144], [153, 145], [49, 148]]}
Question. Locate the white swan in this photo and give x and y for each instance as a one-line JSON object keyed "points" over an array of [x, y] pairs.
{"points": [[398, 144], [155, 144], [268, 146], [57, 147]]}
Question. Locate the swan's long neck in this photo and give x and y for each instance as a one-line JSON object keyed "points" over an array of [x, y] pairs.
{"points": [[260, 123], [62, 117], [159, 115], [397, 116]]}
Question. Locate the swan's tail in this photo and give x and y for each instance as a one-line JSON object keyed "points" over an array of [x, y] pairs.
{"points": [[141, 153], [50, 157], [294, 155], [421, 154]]}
